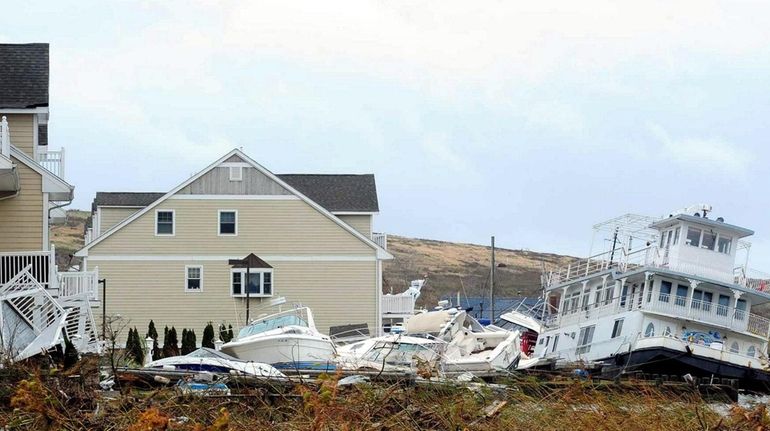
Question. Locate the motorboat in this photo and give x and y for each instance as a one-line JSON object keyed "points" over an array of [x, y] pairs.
{"points": [[392, 352], [213, 361], [287, 340], [526, 320]]}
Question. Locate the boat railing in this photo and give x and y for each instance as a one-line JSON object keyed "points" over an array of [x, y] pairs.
{"points": [[397, 304], [677, 306]]}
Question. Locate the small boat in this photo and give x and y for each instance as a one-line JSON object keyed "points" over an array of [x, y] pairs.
{"points": [[287, 340], [212, 361], [393, 353], [523, 319]]}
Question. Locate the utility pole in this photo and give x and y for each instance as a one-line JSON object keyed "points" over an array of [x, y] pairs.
{"points": [[492, 285]]}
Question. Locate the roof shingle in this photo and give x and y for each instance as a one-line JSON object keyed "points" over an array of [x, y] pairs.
{"points": [[23, 75]]}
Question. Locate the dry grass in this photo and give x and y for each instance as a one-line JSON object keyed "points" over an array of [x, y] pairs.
{"points": [[60, 402]]}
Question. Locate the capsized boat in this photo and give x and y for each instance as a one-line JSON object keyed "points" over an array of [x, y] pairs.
{"points": [[287, 340], [210, 360], [470, 346]]}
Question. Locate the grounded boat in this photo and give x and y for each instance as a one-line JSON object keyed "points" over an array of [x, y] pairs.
{"points": [[527, 321], [287, 340], [448, 340], [667, 298], [210, 360]]}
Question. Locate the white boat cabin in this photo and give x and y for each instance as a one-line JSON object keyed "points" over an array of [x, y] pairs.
{"points": [[682, 289]]}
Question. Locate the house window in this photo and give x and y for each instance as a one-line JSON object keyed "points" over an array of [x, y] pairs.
{"points": [[260, 282], [236, 173], [584, 339], [164, 222], [228, 222], [193, 278], [724, 244], [617, 328], [665, 291], [693, 236]]}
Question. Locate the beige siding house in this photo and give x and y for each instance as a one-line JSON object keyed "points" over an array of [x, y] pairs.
{"points": [[165, 255]]}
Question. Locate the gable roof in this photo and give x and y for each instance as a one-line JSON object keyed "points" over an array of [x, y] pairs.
{"points": [[125, 199], [381, 252], [23, 75], [337, 193]]}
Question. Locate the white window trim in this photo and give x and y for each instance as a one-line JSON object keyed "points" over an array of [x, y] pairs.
{"points": [[186, 275], [261, 279], [219, 222], [173, 222], [238, 170]]}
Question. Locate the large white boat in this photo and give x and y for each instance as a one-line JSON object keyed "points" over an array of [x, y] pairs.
{"points": [[448, 341], [287, 340], [668, 296]]}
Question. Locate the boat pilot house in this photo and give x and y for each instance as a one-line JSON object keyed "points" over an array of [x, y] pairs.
{"points": [[167, 256], [672, 294]]}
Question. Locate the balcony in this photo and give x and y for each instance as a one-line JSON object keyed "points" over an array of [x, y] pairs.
{"points": [[678, 307], [53, 160]]}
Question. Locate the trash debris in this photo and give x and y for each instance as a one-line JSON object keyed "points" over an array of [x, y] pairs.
{"points": [[107, 384], [353, 380]]}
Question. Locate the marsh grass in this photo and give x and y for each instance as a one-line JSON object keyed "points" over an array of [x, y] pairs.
{"points": [[54, 402]]}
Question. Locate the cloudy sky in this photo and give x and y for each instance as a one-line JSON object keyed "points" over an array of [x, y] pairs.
{"points": [[528, 121]]}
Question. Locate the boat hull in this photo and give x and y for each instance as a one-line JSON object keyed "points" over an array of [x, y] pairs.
{"points": [[665, 361], [285, 352]]}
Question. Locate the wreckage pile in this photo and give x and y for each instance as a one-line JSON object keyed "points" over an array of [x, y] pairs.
{"points": [[42, 396]]}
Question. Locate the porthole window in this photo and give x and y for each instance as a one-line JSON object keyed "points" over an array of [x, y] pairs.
{"points": [[650, 331]]}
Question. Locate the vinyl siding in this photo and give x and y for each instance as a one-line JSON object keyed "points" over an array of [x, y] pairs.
{"points": [[144, 290], [269, 227], [110, 217], [22, 134], [361, 223], [21, 217]]}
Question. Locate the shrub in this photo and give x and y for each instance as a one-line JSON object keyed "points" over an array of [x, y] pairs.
{"points": [[208, 336]]}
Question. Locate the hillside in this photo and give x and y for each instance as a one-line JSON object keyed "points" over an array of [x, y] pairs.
{"points": [[456, 267], [450, 267]]}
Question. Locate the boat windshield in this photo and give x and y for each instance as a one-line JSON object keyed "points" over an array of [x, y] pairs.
{"points": [[269, 324], [399, 353]]}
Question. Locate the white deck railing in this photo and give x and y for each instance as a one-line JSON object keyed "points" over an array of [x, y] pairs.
{"points": [[380, 239], [397, 304], [53, 160], [42, 266], [76, 283], [5, 138], [679, 307]]}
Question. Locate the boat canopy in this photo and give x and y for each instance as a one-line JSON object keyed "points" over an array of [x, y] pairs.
{"points": [[272, 323]]}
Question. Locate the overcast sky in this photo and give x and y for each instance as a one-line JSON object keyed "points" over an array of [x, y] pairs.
{"points": [[528, 121]]}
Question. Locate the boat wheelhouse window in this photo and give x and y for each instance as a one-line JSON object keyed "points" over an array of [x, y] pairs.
{"points": [[662, 239], [555, 342], [724, 244], [623, 294], [693, 236], [734, 348], [584, 339], [751, 352], [723, 306], [273, 323], [650, 330], [164, 222], [260, 282], [667, 332], [665, 291], [617, 328], [668, 238], [228, 222], [740, 309], [676, 236], [709, 240], [193, 278], [681, 295]]}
